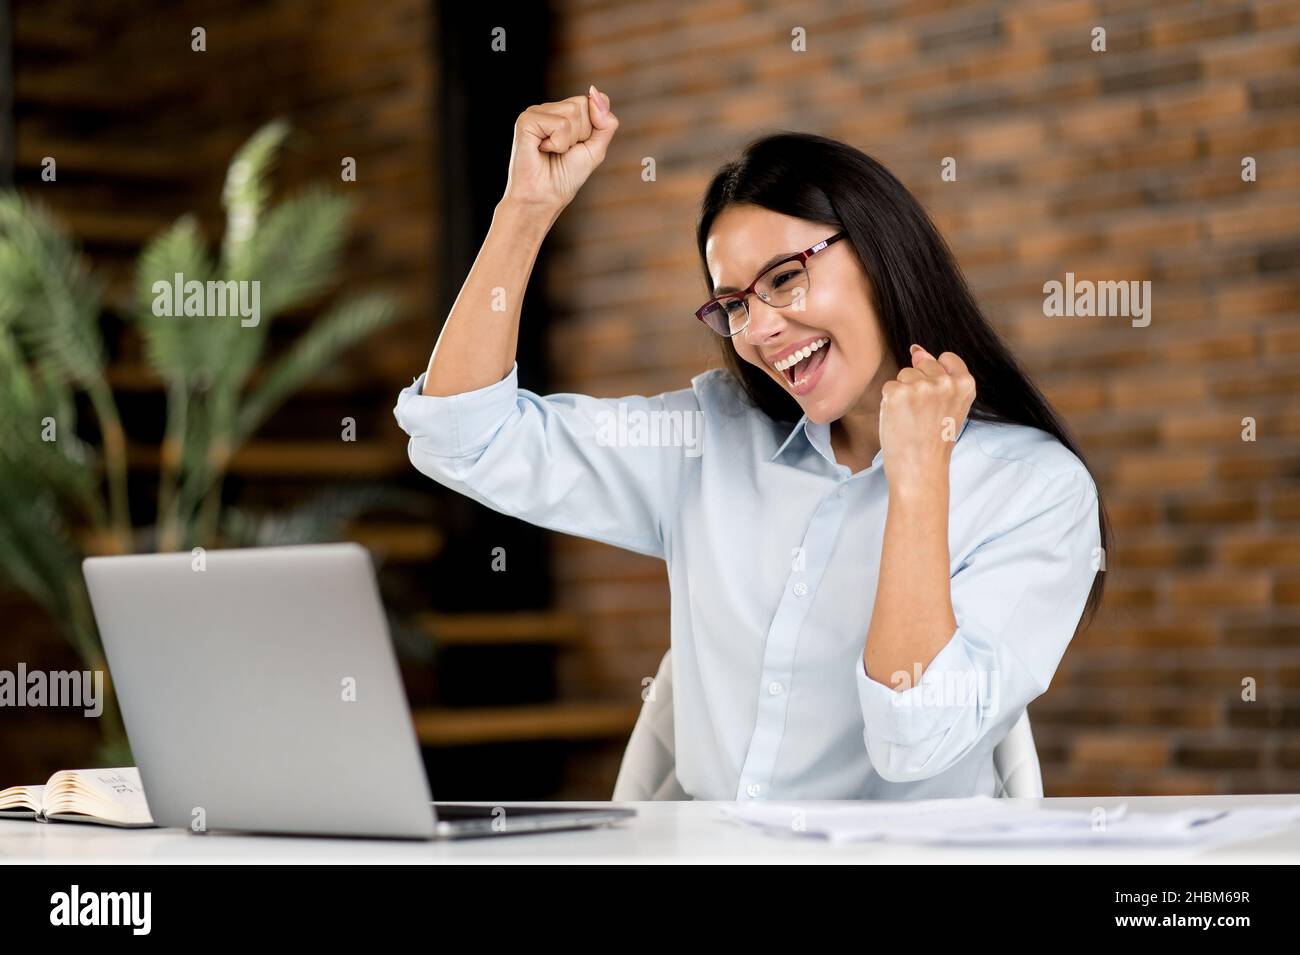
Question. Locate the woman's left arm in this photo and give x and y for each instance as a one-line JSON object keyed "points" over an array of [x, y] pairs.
{"points": [[952, 659], [921, 414]]}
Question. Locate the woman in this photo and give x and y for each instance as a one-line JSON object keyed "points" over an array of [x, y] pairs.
{"points": [[879, 537]]}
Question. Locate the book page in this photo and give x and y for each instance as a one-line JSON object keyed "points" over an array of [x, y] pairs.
{"points": [[110, 795], [21, 802]]}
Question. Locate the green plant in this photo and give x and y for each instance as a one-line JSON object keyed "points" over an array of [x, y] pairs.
{"points": [[58, 490]]}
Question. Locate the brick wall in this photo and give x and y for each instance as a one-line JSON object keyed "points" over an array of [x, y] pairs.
{"points": [[1117, 165]]}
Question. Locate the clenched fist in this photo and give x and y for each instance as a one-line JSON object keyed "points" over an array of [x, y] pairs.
{"points": [[921, 414], [556, 147]]}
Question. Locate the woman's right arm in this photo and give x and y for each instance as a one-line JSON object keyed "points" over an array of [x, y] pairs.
{"points": [[555, 149], [478, 341], [609, 469]]}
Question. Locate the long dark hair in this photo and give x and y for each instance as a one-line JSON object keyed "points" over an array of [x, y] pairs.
{"points": [[920, 294]]}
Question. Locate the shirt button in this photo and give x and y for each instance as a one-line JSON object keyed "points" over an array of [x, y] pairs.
{"points": [[775, 688], [753, 789], [800, 589], [840, 492]]}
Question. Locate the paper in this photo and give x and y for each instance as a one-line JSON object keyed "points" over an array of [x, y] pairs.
{"points": [[985, 820]]}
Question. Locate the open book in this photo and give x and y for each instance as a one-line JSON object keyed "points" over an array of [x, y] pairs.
{"points": [[109, 797]]}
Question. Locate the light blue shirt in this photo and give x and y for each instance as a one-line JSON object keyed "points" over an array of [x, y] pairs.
{"points": [[773, 551]]}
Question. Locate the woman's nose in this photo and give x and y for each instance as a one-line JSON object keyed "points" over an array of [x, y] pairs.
{"points": [[764, 321]]}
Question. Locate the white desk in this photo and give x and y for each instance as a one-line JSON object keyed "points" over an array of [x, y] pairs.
{"points": [[661, 832]]}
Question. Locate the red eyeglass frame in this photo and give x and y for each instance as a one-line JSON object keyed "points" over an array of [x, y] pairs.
{"points": [[802, 257]]}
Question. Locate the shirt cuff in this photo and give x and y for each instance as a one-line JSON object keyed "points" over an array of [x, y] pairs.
{"points": [[456, 425], [949, 687]]}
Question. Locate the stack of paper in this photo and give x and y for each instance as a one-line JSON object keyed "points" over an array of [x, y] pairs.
{"points": [[984, 820]]}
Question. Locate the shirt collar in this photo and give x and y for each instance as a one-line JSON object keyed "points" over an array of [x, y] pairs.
{"points": [[809, 433], [798, 429], [819, 436]]}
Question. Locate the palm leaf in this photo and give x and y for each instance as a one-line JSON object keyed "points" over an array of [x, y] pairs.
{"points": [[294, 254], [37, 551], [178, 348], [245, 195], [47, 294], [65, 466], [297, 248], [344, 325]]}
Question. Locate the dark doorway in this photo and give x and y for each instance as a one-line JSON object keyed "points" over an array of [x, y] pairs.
{"points": [[482, 91]]}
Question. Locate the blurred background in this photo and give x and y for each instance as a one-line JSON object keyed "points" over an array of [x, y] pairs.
{"points": [[372, 143]]}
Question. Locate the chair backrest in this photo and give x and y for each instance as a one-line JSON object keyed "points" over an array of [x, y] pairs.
{"points": [[649, 767], [1016, 761]]}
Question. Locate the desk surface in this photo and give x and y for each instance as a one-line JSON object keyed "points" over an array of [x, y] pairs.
{"points": [[691, 831]]}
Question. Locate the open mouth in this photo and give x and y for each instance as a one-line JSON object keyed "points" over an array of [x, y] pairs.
{"points": [[801, 367]]}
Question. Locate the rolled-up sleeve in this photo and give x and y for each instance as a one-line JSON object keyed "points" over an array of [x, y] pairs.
{"points": [[567, 462], [1017, 600]]}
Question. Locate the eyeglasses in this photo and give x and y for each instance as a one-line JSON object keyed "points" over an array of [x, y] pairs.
{"points": [[778, 286]]}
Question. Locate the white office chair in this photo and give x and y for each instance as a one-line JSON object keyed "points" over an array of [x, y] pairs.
{"points": [[649, 770]]}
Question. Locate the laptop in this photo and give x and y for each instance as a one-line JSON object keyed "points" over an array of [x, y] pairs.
{"points": [[261, 693]]}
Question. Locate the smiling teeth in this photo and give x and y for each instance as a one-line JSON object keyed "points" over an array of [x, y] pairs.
{"points": [[800, 355]]}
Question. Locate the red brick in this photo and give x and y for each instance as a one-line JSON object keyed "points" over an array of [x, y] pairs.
{"points": [[1219, 590], [1121, 749]]}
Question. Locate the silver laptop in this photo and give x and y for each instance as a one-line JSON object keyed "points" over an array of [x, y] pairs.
{"points": [[261, 693]]}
